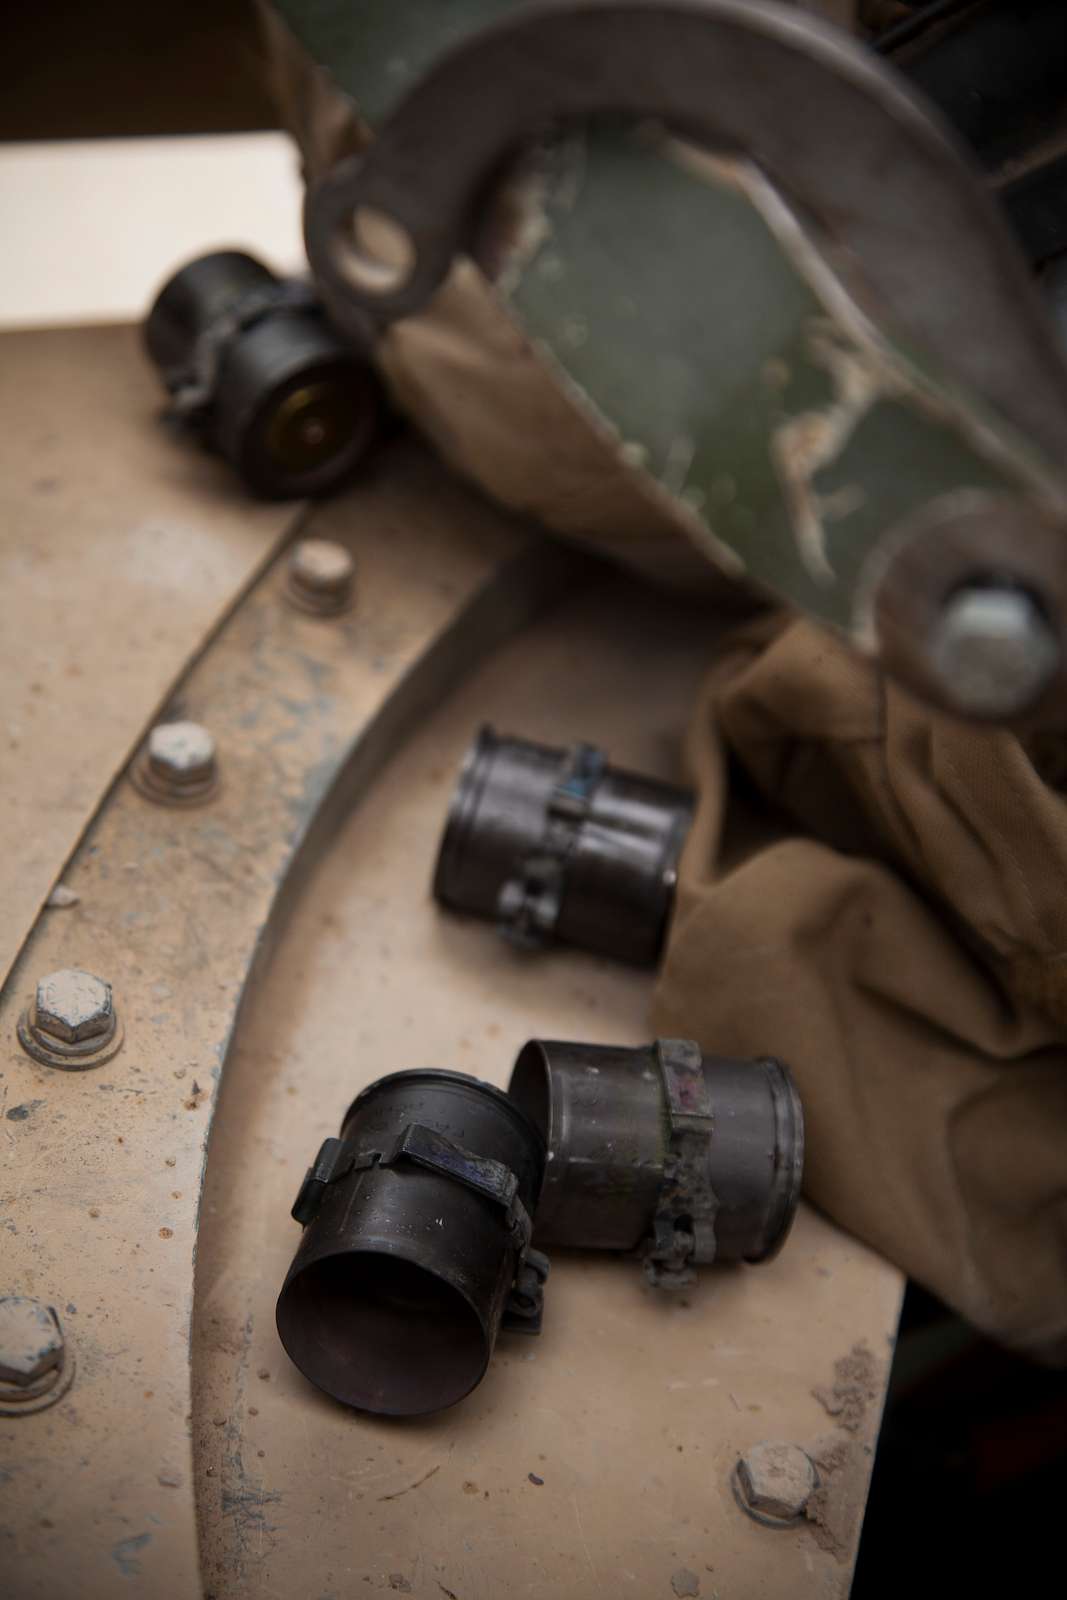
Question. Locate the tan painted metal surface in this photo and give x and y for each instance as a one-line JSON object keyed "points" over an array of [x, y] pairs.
{"points": [[103, 1167], [631, 1409], [119, 551], [633, 1406]]}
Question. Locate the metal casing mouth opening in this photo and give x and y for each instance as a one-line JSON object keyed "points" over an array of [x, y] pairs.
{"points": [[462, 810], [462, 1084], [256, 371], [788, 1159], [294, 411], [530, 1087], [382, 1333]]}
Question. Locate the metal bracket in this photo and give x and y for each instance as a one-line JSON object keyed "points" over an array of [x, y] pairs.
{"points": [[738, 76], [334, 1160], [525, 1304], [683, 1230], [529, 904], [427, 1148]]}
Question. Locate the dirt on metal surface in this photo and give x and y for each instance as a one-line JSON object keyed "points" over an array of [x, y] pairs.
{"points": [[855, 1386], [103, 1167], [834, 1512], [121, 550]]}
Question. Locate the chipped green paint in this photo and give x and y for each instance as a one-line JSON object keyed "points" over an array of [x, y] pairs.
{"points": [[677, 299], [376, 49], [674, 293]]}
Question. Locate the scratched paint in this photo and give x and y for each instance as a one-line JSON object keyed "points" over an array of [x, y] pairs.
{"points": [[735, 371], [125, 1553]]}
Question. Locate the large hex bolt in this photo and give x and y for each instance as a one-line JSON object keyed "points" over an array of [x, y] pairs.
{"points": [[35, 1366], [774, 1481], [72, 1021], [178, 765], [320, 578], [993, 651], [71, 1006]]}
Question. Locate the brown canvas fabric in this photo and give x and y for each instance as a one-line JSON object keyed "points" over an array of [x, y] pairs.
{"points": [[876, 893]]}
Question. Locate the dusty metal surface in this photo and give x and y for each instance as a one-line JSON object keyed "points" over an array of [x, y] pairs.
{"points": [[626, 1485], [119, 553], [103, 1168], [598, 1459]]}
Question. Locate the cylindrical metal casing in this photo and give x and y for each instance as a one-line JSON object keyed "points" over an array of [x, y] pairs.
{"points": [[192, 301], [757, 1155], [611, 1164], [395, 1296], [295, 411], [591, 854], [277, 391], [601, 1111]]}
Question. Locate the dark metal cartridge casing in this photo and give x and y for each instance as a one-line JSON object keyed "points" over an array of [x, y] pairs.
{"points": [[556, 844], [689, 1158], [416, 1244], [252, 364]]}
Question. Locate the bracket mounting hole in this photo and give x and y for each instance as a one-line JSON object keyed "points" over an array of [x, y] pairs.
{"points": [[374, 251]]}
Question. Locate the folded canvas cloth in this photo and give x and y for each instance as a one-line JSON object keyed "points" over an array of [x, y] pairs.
{"points": [[878, 894]]}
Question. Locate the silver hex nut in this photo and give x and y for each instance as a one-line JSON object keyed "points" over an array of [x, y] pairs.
{"points": [[31, 1341], [775, 1480], [72, 1006], [182, 754]]}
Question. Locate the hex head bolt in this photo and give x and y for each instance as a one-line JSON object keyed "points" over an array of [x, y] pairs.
{"points": [[993, 651], [773, 1482], [71, 1022], [178, 765], [36, 1365], [320, 578]]}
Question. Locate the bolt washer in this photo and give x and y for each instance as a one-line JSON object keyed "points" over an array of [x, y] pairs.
{"points": [[764, 1517], [320, 578], [77, 1056], [150, 783], [23, 1401]]}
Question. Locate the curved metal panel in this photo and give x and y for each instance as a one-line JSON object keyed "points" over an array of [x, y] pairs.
{"points": [[177, 908], [120, 552]]}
